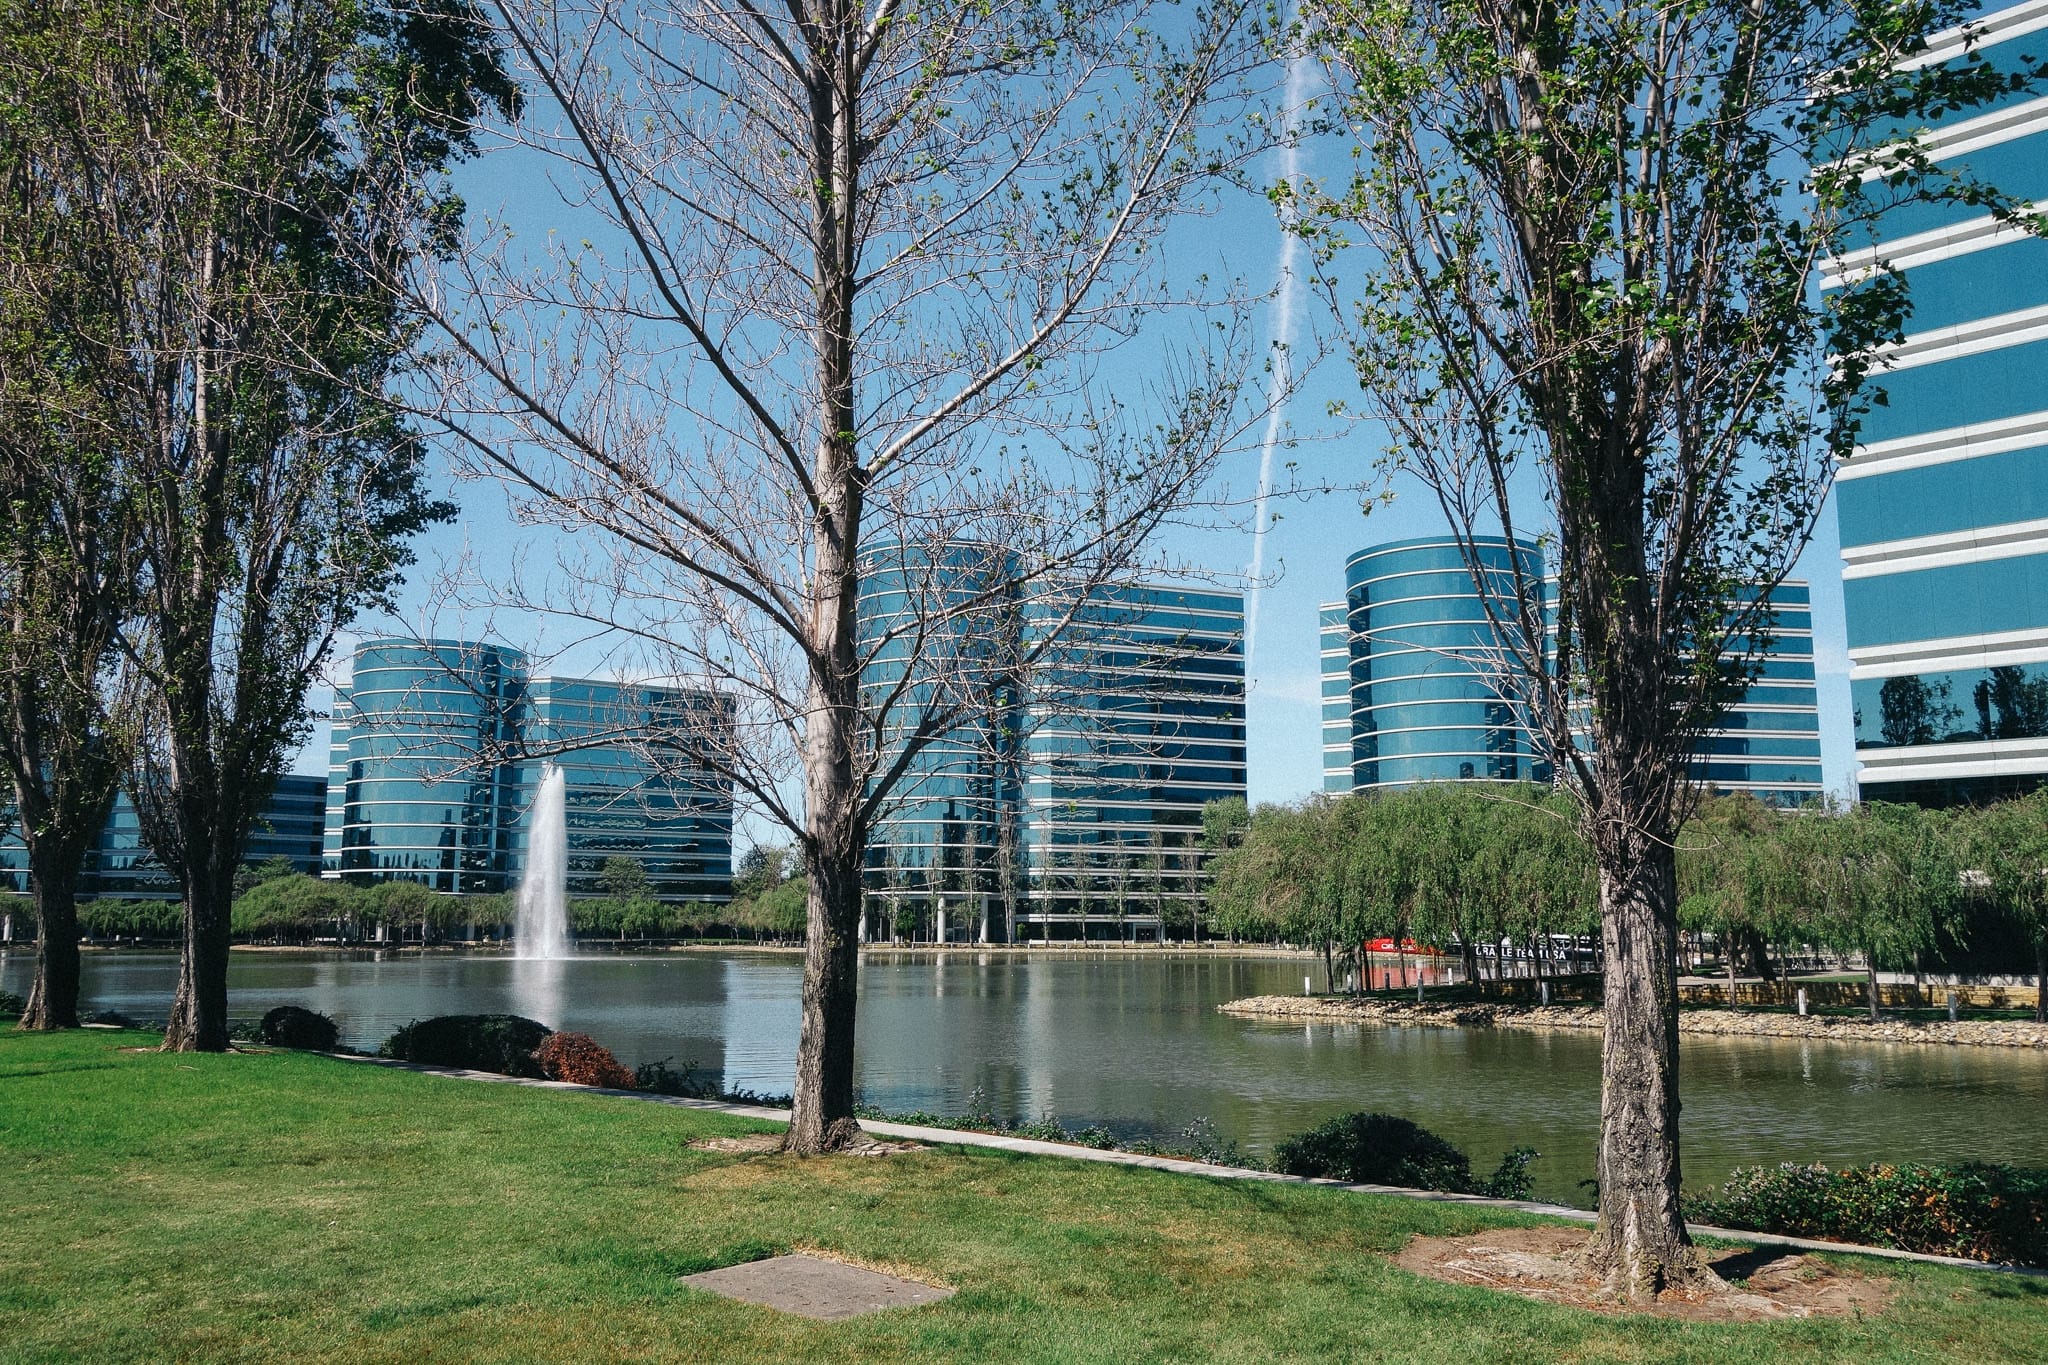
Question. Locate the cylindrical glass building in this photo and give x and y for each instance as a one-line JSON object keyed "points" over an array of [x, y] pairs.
{"points": [[418, 785], [1413, 668]]}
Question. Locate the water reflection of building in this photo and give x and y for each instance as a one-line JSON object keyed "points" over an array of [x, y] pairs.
{"points": [[435, 759], [1943, 507], [1416, 686], [121, 864], [1083, 731]]}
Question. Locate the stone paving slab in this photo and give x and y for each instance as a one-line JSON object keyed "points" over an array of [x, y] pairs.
{"points": [[813, 1287]]}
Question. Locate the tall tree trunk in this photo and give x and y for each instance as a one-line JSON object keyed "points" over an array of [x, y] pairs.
{"points": [[1870, 983], [2041, 980], [1640, 1246], [53, 995], [199, 1010]]}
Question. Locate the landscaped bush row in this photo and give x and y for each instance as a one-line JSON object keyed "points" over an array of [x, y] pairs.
{"points": [[1980, 1211], [11, 1005]]}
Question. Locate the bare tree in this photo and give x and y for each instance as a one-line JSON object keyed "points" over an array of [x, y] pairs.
{"points": [[1590, 261], [840, 285]]}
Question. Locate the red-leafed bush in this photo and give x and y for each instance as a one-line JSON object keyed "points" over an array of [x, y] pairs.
{"points": [[580, 1059]]}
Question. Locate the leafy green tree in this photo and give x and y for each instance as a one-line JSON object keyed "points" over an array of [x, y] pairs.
{"points": [[261, 174], [2005, 848], [67, 530], [623, 878], [1586, 271], [1885, 881]]}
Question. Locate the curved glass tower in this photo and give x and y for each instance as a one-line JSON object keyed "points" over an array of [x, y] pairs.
{"points": [[1415, 688], [417, 783], [433, 772], [938, 634]]}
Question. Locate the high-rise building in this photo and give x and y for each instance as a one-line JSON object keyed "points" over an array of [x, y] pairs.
{"points": [[1086, 730], [1417, 689], [120, 863], [438, 750], [1943, 506]]}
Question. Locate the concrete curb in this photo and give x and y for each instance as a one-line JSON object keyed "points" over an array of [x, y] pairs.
{"points": [[1180, 1166]]}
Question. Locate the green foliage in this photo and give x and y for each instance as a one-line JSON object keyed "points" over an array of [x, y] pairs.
{"points": [[11, 1005], [294, 1026], [1376, 1149], [503, 1043], [1980, 1211], [110, 916], [295, 904], [249, 877], [623, 878], [1468, 862]]}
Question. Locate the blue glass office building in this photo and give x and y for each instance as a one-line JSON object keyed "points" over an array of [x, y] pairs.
{"points": [[939, 634], [1138, 721], [1065, 798], [433, 773], [1415, 685], [120, 864], [1943, 507], [1417, 689]]}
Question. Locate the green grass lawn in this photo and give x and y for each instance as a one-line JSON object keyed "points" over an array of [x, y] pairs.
{"points": [[275, 1205]]}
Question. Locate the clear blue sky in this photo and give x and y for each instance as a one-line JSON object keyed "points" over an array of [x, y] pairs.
{"points": [[1306, 547]]}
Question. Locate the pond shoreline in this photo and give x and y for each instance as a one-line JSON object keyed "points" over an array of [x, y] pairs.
{"points": [[2011, 1033]]}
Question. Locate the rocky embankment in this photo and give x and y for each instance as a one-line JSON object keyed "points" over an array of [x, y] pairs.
{"points": [[1724, 1023]]}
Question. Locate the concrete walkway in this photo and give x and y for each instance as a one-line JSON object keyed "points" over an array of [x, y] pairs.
{"points": [[1179, 1166]]}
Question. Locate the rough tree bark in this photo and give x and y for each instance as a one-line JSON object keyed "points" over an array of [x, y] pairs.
{"points": [[1640, 1246]]}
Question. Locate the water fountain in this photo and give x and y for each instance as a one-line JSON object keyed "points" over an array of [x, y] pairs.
{"points": [[540, 924]]}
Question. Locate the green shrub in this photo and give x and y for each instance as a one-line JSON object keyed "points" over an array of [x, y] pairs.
{"points": [[1980, 1211], [503, 1043], [659, 1078], [1376, 1149], [291, 1026], [12, 1005], [1385, 1149]]}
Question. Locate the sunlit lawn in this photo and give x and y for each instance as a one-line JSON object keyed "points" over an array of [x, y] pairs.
{"points": [[273, 1205]]}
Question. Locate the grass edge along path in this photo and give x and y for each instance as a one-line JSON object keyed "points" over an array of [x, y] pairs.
{"points": [[1068, 1151], [259, 1206]]}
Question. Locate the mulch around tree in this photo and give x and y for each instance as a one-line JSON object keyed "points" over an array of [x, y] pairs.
{"points": [[1765, 1283], [767, 1144]]}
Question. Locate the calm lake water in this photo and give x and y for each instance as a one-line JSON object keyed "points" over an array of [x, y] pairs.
{"points": [[1133, 1041]]}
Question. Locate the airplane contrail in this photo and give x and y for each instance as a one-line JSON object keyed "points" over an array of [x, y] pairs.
{"points": [[1284, 308]]}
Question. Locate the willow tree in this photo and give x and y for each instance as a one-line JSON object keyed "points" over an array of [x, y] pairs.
{"points": [[829, 304], [1587, 251], [2006, 850]]}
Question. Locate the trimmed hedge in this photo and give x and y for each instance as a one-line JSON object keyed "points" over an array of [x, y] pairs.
{"points": [[1385, 1149], [1980, 1211], [12, 1005], [291, 1026], [503, 1043]]}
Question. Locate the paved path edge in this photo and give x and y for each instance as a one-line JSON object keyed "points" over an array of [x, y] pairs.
{"points": [[1033, 1147]]}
